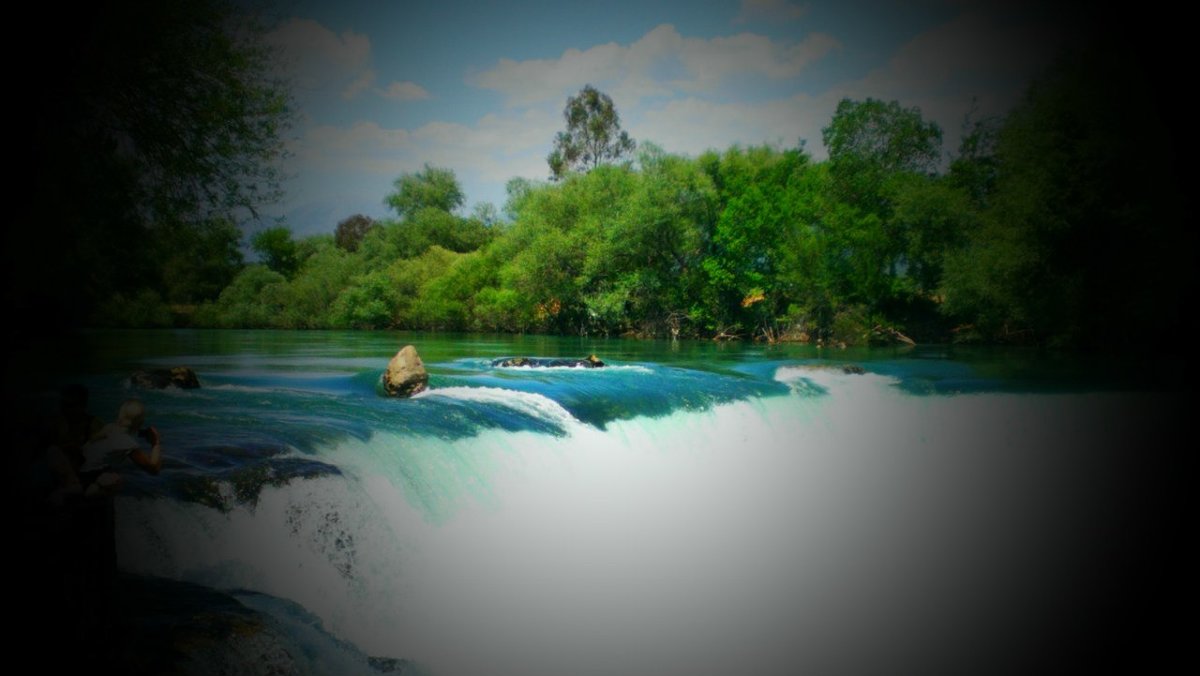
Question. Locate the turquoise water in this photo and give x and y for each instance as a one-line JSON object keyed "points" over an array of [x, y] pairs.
{"points": [[691, 508]]}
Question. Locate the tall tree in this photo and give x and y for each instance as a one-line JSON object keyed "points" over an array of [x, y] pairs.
{"points": [[593, 135], [870, 141], [877, 150]]}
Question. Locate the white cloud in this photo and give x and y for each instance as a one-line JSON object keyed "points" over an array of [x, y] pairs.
{"points": [[984, 55], [356, 87], [981, 54], [317, 59], [404, 91], [710, 61], [770, 10], [659, 63], [353, 167], [977, 49], [497, 147]]}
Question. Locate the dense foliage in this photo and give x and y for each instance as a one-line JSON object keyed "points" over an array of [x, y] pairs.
{"points": [[1058, 224], [157, 134]]}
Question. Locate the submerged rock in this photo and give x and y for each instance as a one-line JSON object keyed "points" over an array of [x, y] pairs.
{"points": [[173, 627], [182, 377], [405, 374], [589, 362], [186, 629]]}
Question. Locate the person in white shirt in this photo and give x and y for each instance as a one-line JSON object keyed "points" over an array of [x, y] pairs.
{"points": [[114, 443]]}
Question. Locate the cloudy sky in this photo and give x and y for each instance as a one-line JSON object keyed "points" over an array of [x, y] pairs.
{"points": [[479, 87]]}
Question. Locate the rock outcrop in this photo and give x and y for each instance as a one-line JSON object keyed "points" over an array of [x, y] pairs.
{"points": [[405, 374], [182, 377], [174, 627], [589, 362]]}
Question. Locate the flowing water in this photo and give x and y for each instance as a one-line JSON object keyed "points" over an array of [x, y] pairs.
{"points": [[691, 508]]}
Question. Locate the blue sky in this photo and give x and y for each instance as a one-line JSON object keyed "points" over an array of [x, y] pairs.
{"points": [[479, 87]]}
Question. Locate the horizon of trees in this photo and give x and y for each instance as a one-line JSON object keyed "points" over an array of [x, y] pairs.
{"points": [[1058, 224]]}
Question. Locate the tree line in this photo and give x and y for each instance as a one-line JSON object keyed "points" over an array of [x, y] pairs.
{"points": [[1057, 224], [1060, 223]]}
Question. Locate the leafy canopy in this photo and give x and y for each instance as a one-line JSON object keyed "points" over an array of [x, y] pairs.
{"points": [[277, 249], [432, 187], [163, 123]]}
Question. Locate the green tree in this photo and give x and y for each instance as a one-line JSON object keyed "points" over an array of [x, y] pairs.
{"points": [[350, 231], [593, 135], [648, 265], [162, 115], [310, 297], [753, 230], [277, 249], [368, 303], [430, 188], [870, 141], [975, 167], [254, 299], [877, 151], [486, 213], [1081, 242], [199, 261], [882, 135]]}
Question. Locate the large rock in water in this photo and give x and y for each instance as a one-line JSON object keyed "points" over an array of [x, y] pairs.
{"points": [[180, 376], [589, 362], [405, 374]]}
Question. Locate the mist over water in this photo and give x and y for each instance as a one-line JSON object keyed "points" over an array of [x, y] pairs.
{"points": [[766, 514]]}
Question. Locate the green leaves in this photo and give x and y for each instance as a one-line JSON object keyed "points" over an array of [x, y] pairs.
{"points": [[430, 188], [593, 135], [1056, 225], [164, 118], [870, 141], [277, 250]]}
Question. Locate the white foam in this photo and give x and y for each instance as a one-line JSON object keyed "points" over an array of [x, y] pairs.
{"points": [[833, 378], [317, 542], [529, 403], [764, 536]]}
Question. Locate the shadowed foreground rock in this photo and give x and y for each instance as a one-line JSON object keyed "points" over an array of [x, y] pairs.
{"points": [[182, 377], [405, 374], [172, 627]]}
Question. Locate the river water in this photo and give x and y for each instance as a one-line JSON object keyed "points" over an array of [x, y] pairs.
{"points": [[691, 508]]}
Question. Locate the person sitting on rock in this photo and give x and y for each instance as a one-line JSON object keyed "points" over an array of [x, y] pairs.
{"points": [[103, 457], [115, 442]]}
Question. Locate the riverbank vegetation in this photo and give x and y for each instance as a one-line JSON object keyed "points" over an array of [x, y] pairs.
{"points": [[1060, 224]]}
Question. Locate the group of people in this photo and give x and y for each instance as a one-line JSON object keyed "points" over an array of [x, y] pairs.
{"points": [[75, 469]]}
